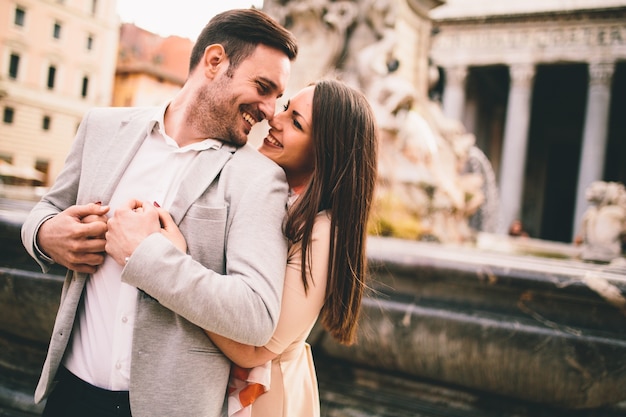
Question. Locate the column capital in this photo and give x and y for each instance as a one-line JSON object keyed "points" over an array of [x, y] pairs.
{"points": [[522, 74], [456, 74], [601, 73]]}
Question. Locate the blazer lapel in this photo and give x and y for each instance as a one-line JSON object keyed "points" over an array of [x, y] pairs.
{"points": [[124, 146], [203, 170]]}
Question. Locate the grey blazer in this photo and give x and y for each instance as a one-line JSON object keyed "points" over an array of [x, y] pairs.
{"points": [[230, 209]]}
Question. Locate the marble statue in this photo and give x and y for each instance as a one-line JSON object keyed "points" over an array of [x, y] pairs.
{"points": [[604, 222], [320, 27]]}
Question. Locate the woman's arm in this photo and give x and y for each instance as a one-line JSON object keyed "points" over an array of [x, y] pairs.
{"points": [[245, 356], [299, 310]]}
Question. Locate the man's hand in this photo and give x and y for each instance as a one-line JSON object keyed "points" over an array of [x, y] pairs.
{"points": [[129, 226], [74, 238]]}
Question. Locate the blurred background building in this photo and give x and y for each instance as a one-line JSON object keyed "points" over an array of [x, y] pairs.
{"points": [[57, 59], [542, 85], [150, 69]]}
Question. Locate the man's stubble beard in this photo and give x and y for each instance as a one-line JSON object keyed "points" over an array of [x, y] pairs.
{"points": [[212, 113]]}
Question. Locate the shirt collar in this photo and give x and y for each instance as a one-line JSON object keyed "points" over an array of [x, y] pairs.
{"points": [[156, 124]]}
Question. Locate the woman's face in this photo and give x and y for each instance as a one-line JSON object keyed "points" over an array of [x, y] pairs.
{"points": [[289, 142]]}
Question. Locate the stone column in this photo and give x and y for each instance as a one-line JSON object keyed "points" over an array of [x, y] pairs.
{"points": [[513, 161], [595, 135], [453, 100]]}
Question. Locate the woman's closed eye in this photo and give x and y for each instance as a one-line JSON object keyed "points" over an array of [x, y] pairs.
{"points": [[295, 115]]}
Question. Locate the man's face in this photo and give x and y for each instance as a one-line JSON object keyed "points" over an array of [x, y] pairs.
{"points": [[234, 101]]}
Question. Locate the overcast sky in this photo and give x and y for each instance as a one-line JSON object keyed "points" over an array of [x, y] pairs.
{"points": [[184, 18]]}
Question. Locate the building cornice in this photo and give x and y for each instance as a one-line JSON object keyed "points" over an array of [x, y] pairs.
{"points": [[547, 16]]}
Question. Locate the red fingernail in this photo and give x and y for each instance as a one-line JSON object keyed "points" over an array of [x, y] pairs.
{"points": [[98, 203], [155, 204]]}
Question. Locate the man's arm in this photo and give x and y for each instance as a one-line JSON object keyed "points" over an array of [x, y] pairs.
{"points": [[244, 303]]}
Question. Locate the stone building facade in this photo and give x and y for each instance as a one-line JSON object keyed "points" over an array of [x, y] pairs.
{"points": [[57, 59], [542, 85]]}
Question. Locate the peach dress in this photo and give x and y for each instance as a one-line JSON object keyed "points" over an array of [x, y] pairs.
{"points": [[293, 391]]}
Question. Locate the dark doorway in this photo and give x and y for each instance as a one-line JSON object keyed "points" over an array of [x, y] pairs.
{"points": [[555, 137], [615, 160], [487, 92]]}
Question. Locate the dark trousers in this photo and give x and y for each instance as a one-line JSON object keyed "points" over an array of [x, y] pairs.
{"points": [[73, 397]]}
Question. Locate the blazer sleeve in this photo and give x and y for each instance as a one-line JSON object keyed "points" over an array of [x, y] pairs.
{"points": [[243, 303]]}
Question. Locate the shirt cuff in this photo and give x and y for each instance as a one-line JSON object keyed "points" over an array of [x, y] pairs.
{"points": [[40, 254]]}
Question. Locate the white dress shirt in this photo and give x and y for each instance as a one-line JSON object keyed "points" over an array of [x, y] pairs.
{"points": [[99, 351]]}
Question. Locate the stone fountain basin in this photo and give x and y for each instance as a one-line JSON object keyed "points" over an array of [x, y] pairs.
{"points": [[544, 330], [549, 331]]}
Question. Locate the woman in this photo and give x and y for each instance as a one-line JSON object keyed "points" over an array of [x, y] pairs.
{"points": [[326, 141]]}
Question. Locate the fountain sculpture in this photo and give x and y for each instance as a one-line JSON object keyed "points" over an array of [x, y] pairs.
{"points": [[432, 178], [604, 222]]}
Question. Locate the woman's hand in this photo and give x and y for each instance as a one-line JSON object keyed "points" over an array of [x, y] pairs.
{"points": [[130, 225], [170, 230]]}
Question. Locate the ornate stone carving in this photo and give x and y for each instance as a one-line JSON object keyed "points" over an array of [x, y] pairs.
{"points": [[560, 37]]}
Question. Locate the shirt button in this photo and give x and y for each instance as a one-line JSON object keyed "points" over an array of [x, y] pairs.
{"points": [[124, 319], [118, 365]]}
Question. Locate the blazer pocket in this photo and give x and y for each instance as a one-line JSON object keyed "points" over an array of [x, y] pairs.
{"points": [[204, 229], [206, 213]]}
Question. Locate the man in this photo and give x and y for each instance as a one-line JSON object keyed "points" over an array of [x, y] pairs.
{"points": [[129, 336]]}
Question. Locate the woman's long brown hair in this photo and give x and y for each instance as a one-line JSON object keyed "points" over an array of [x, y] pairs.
{"points": [[344, 135]]}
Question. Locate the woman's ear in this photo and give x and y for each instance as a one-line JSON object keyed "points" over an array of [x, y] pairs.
{"points": [[214, 59]]}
